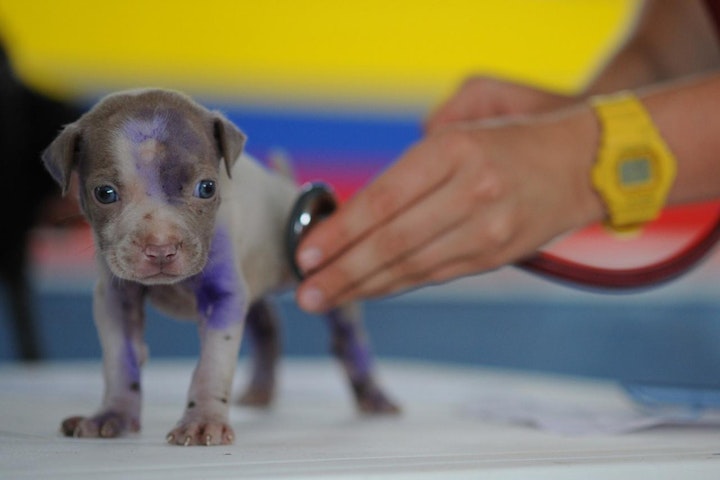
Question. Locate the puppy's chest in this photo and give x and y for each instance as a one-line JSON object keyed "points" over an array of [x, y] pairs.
{"points": [[178, 300]]}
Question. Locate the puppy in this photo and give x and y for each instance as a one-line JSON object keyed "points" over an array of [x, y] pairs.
{"points": [[182, 218]]}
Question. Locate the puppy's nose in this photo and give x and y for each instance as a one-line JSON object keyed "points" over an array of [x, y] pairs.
{"points": [[161, 254]]}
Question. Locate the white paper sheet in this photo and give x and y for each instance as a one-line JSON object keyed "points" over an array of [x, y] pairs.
{"points": [[579, 419]]}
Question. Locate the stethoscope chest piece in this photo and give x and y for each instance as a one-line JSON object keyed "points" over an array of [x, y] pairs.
{"points": [[315, 202]]}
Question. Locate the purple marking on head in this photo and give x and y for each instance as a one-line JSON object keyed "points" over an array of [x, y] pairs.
{"points": [[142, 132], [174, 175], [152, 128], [164, 165], [220, 295]]}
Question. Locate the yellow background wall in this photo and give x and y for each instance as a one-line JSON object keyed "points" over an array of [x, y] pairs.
{"points": [[382, 53]]}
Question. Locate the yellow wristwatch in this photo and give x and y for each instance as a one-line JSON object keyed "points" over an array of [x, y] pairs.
{"points": [[635, 169]]}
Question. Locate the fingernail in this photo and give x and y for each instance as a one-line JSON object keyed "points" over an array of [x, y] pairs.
{"points": [[309, 258], [311, 299]]}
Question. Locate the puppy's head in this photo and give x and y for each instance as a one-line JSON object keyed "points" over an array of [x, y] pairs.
{"points": [[148, 163]]}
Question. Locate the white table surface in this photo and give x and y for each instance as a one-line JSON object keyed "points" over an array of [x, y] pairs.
{"points": [[313, 431]]}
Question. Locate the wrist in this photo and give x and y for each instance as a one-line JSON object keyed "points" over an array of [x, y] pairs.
{"points": [[582, 138]]}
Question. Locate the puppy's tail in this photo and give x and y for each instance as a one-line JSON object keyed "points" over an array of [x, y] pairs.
{"points": [[280, 162]]}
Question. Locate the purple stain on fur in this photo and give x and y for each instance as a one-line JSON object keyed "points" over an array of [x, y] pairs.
{"points": [[220, 296], [163, 165], [153, 128], [131, 365], [140, 132], [349, 346], [122, 300]]}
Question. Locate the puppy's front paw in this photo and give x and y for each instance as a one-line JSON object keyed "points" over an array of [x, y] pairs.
{"points": [[109, 424], [199, 432]]}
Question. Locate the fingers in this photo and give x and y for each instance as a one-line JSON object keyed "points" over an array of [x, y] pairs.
{"points": [[403, 184], [409, 272], [459, 251], [422, 222]]}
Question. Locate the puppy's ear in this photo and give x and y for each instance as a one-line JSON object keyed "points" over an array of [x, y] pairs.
{"points": [[230, 140], [61, 156]]}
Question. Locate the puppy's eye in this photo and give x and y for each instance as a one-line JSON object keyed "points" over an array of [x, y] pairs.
{"points": [[106, 194], [205, 189]]}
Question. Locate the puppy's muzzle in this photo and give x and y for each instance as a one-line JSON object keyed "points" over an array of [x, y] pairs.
{"points": [[161, 255]]}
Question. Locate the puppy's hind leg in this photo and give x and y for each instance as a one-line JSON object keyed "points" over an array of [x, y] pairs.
{"points": [[263, 328], [349, 345]]}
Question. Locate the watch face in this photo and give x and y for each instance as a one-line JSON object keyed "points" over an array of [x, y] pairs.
{"points": [[636, 171]]}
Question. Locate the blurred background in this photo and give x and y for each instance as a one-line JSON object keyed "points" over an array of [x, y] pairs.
{"points": [[343, 89]]}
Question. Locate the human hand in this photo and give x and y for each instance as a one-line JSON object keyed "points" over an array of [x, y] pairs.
{"points": [[464, 200], [480, 98]]}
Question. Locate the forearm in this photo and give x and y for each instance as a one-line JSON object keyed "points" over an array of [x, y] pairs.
{"points": [[686, 114], [670, 39]]}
